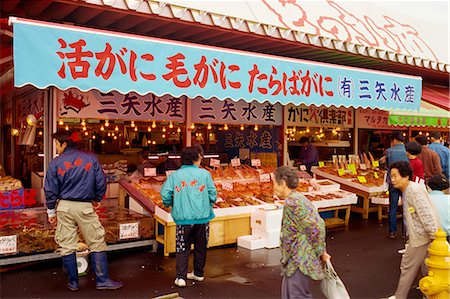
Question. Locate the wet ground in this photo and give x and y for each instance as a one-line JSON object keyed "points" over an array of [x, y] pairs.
{"points": [[364, 257]]}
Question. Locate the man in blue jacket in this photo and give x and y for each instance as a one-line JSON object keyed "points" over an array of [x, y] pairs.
{"points": [[191, 193], [74, 185], [442, 151]]}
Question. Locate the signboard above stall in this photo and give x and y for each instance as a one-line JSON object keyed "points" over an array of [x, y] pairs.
{"points": [[312, 116], [372, 119], [65, 56]]}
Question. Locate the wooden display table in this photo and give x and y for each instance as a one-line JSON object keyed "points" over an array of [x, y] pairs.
{"points": [[363, 191], [222, 230], [336, 221], [383, 205]]}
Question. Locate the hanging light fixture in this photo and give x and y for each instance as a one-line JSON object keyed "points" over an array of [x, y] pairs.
{"points": [[170, 125], [225, 127], [106, 123], [86, 133], [154, 142], [93, 137], [163, 136], [83, 123], [116, 128], [67, 128], [61, 122], [179, 130], [307, 130], [209, 127], [132, 124], [294, 129], [115, 137], [154, 125], [164, 129], [242, 127], [127, 142], [192, 126], [84, 128], [149, 129], [40, 133], [256, 128], [135, 129], [109, 134]]}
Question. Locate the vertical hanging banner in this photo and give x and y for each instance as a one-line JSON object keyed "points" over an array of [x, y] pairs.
{"points": [[66, 56]]}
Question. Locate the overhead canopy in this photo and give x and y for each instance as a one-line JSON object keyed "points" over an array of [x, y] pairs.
{"points": [[64, 56], [437, 95], [428, 115]]}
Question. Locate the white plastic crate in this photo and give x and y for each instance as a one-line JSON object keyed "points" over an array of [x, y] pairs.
{"points": [[267, 219], [272, 237], [251, 242]]}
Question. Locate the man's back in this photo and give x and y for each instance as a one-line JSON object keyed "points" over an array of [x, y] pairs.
{"points": [[431, 162], [444, 156]]}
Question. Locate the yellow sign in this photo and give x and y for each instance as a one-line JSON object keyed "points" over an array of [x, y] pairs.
{"points": [[352, 167], [375, 174], [321, 164], [362, 179], [375, 164], [341, 172]]}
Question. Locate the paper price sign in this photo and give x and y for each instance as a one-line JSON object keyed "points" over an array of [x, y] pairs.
{"points": [[341, 172], [264, 177], [235, 162], [227, 186], [8, 244], [362, 179], [149, 171], [169, 172], [375, 164], [352, 168], [321, 164], [129, 231], [302, 167], [362, 166], [214, 162], [375, 174], [256, 162]]}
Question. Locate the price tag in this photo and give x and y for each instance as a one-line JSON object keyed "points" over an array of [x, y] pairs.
{"points": [[8, 244], [256, 162], [362, 166], [214, 162], [375, 164], [235, 162], [169, 172], [341, 172], [321, 164], [362, 179], [149, 171], [352, 167], [129, 231], [264, 177], [302, 167], [227, 186], [375, 174]]}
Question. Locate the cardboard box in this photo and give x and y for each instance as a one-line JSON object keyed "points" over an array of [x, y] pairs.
{"points": [[251, 242], [267, 218]]}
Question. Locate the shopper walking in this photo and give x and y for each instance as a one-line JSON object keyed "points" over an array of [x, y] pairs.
{"points": [[430, 159], [442, 151], [438, 184], [395, 153], [191, 193], [74, 186], [422, 222], [303, 248], [412, 150]]}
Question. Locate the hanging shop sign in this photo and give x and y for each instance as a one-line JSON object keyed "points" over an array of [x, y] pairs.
{"points": [[88, 59], [312, 116], [113, 105], [418, 121], [240, 112], [372, 119]]}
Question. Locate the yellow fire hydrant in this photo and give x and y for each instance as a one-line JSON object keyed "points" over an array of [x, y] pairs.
{"points": [[437, 284]]}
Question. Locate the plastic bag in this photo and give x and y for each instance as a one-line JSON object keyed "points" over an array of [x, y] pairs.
{"points": [[331, 285]]}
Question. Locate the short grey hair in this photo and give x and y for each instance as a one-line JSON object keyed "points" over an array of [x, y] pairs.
{"points": [[287, 174]]}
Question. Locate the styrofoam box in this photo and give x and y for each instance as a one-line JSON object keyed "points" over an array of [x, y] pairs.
{"points": [[266, 219], [272, 237], [251, 242], [333, 186]]}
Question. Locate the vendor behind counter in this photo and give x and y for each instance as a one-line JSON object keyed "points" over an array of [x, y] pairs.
{"points": [[162, 164]]}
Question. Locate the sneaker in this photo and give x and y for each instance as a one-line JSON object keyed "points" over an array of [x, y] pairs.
{"points": [[180, 282], [192, 276], [392, 235]]}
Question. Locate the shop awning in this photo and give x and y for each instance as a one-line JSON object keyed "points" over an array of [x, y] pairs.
{"points": [[437, 95], [63, 56], [428, 115]]}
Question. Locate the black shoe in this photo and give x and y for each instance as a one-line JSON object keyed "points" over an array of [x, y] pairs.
{"points": [[100, 266]]}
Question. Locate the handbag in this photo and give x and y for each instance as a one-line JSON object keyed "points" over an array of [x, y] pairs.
{"points": [[331, 285]]}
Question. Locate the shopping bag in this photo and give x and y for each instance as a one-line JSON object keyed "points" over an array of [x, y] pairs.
{"points": [[331, 285]]}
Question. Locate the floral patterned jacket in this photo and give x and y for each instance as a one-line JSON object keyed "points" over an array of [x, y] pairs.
{"points": [[302, 237]]}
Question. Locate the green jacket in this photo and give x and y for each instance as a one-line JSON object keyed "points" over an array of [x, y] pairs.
{"points": [[191, 193]]}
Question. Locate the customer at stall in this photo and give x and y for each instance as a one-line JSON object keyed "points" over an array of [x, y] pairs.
{"points": [[422, 222], [303, 248], [74, 186], [191, 193], [412, 150], [430, 159], [437, 185], [395, 153], [309, 155], [442, 151], [165, 163]]}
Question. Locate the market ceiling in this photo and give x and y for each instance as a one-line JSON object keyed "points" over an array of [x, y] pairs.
{"points": [[158, 19]]}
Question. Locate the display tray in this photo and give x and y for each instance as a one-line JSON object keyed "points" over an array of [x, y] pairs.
{"points": [[34, 234]]}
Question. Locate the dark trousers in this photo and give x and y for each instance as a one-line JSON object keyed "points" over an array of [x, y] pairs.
{"points": [[394, 196], [186, 235]]}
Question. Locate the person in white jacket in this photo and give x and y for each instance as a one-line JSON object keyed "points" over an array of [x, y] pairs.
{"points": [[422, 222]]}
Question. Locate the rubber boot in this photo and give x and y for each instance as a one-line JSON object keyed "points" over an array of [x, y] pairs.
{"points": [[70, 266], [100, 266]]}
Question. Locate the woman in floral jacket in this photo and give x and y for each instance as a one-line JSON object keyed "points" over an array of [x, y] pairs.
{"points": [[302, 237]]}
